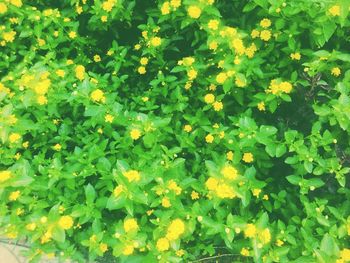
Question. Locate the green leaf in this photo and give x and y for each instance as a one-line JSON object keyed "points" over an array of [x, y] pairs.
{"points": [[58, 234], [90, 194]]}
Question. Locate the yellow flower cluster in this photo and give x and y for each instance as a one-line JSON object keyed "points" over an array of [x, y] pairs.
{"points": [[132, 175], [65, 222], [220, 188], [277, 87], [263, 236], [174, 231], [169, 6], [98, 96], [130, 225], [5, 175], [108, 5]]}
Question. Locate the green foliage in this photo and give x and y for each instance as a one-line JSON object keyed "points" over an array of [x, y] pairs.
{"points": [[171, 131]]}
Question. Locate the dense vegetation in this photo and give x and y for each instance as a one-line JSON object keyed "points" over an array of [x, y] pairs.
{"points": [[173, 131]]}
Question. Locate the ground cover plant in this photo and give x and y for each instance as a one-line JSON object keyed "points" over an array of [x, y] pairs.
{"points": [[176, 131]]}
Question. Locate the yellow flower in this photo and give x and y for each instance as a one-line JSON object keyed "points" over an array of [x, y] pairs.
{"points": [[109, 118], [141, 70], [104, 19], [211, 184], [135, 134], [65, 222], [187, 128], [128, 250], [162, 244], [132, 175], [117, 191], [213, 24], [295, 56], [175, 229], [265, 35], [42, 100], [9, 36], [209, 98], [229, 172], [156, 41], [229, 155], [72, 34], [265, 236], [192, 74], [279, 243], [250, 230], [225, 191], [336, 71], [97, 58], [80, 72], [14, 195], [25, 144], [14, 137], [248, 157], [286, 87], [5, 175], [213, 45], [98, 96], [194, 11], [265, 23], [180, 252], [255, 33], [345, 254], [165, 9], [17, 3], [60, 73], [57, 147], [194, 195], [144, 61], [218, 106], [103, 247], [261, 106], [256, 192], [166, 202], [245, 252], [334, 10], [108, 5], [130, 225], [175, 3], [31, 226], [209, 138], [221, 78], [3, 8]]}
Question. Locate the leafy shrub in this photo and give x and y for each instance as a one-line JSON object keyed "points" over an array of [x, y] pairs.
{"points": [[176, 130]]}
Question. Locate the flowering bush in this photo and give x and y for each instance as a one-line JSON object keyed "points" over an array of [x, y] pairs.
{"points": [[173, 131]]}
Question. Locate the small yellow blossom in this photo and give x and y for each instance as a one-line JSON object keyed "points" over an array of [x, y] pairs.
{"points": [[334, 10], [261, 106], [80, 72], [141, 70], [248, 157], [265, 35], [72, 34], [109, 118], [166, 202], [209, 138], [187, 128], [209, 98], [14, 195], [156, 41], [144, 61], [132, 175], [229, 155], [244, 252], [295, 56], [98, 96], [57, 147], [265, 23], [162, 244], [130, 225], [103, 247], [213, 24], [250, 230], [97, 58], [135, 134], [65, 222], [128, 250], [336, 71], [14, 137], [218, 106], [194, 195], [194, 11]]}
